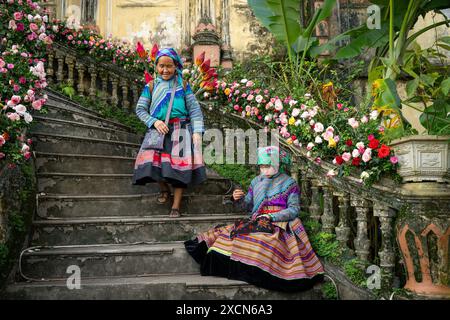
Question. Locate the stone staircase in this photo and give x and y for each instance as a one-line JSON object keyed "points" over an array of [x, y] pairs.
{"points": [[89, 215]]}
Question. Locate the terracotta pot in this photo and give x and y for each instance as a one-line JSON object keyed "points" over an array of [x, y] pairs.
{"points": [[423, 158]]}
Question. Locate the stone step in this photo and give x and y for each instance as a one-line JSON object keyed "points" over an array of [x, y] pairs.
{"points": [[63, 103], [109, 260], [102, 184], [81, 145], [46, 125], [140, 205], [169, 287], [83, 163], [62, 111], [84, 231]]}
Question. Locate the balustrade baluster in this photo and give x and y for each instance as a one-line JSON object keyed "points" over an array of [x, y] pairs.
{"points": [[81, 69], [115, 84], [343, 228], [387, 254], [49, 68], [314, 208], [362, 242], [70, 61], [125, 101], [104, 77], [60, 72], [328, 218], [93, 88]]}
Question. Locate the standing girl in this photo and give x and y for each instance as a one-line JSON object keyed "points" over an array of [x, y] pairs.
{"points": [[180, 163]]}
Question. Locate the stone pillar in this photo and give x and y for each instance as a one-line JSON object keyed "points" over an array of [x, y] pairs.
{"points": [[314, 208], [135, 90], [361, 242], [70, 61], [115, 84], [60, 72], [104, 77], [93, 88], [125, 101], [227, 58], [206, 39], [322, 29], [328, 218], [343, 228], [387, 254], [49, 68], [80, 69]]}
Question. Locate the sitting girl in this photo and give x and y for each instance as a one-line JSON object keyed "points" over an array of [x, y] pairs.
{"points": [[271, 249]]}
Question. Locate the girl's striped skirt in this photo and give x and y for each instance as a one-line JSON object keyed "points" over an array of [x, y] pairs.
{"points": [[178, 163], [283, 260]]}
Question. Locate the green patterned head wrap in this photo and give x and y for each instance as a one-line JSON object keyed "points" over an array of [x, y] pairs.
{"points": [[272, 155]]}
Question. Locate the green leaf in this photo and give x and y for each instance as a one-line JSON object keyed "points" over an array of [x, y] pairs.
{"points": [[436, 117], [444, 46], [445, 86], [390, 96], [428, 79], [411, 87], [445, 39]]}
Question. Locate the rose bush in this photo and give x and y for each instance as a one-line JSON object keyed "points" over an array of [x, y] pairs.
{"points": [[23, 40]]}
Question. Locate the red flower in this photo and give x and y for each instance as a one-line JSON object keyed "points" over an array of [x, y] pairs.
{"points": [[349, 142], [384, 151], [148, 77], [140, 50], [339, 160], [374, 143], [205, 66], [154, 52], [356, 161], [199, 60]]}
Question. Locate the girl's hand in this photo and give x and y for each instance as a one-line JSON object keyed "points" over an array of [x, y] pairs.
{"points": [[197, 139], [161, 127], [238, 194]]}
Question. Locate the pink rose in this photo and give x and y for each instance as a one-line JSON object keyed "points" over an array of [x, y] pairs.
{"points": [[393, 159], [236, 107], [367, 156], [18, 16], [2, 155], [250, 97], [15, 99], [370, 137], [346, 156], [2, 141], [13, 116], [37, 105], [353, 123], [34, 27]]}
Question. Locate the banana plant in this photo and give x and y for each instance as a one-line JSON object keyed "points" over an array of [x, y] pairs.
{"points": [[282, 19]]}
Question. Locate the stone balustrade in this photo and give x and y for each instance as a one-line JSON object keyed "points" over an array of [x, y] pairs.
{"points": [[90, 78], [367, 221]]}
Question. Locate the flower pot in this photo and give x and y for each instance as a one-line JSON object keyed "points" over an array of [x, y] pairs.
{"points": [[423, 158]]}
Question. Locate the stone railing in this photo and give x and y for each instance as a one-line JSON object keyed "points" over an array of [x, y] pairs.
{"points": [[395, 227], [93, 79]]}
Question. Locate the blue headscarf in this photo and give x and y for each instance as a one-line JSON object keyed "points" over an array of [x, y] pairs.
{"points": [[163, 88]]}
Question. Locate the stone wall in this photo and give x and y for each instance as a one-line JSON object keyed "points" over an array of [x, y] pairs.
{"points": [[17, 206]]}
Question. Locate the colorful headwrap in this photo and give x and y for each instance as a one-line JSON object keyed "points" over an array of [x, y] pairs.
{"points": [[171, 53], [269, 156], [272, 155]]}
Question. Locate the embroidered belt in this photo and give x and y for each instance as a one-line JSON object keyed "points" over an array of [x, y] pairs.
{"points": [[175, 120], [271, 209]]}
